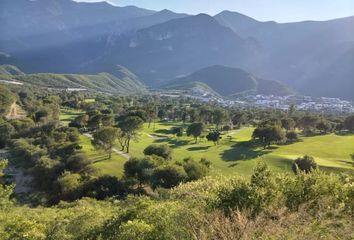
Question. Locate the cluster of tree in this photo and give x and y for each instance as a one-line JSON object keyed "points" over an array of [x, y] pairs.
{"points": [[6, 99], [210, 208], [158, 170]]}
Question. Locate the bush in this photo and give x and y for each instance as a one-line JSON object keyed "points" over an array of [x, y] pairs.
{"points": [[162, 150], [104, 187], [168, 176], [292, 137], [194, 169], [305, 164]]}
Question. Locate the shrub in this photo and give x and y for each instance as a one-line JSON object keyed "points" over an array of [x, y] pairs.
{"points": [[162, 150], [292, 137], [168, 176], [305, 164], [194, 169]]}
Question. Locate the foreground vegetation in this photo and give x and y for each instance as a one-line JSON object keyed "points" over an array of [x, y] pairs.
{"points": [[104, 167], [263, 206]]}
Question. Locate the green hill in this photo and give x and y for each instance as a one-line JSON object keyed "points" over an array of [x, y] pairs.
{"points": [[10, 70], [228, 81], [6, 99], [123, 82]]}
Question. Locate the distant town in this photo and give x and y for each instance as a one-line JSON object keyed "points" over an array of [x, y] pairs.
{"points": [[305, 103]]}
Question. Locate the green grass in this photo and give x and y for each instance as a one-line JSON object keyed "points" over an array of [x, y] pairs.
{"points": [[238, 156], [66, 115], [102, 163], [235, 155], [90, 100]]}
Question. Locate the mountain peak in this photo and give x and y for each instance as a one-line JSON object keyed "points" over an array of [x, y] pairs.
{"points": [[235, 15]]}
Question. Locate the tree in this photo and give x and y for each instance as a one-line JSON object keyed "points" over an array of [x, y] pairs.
{"points": [[168, 176], [6, 132], [151, 113], [78, 162], [178, 131], [214, 136], [308, 123], [94, 122], [195, 130], [220, 116], [288, 124], [107, 120], [69, 182], [139, 169], [269, 134], [162, 150], [238, 118], [305, 164], [226, 128], [105, 138], [194, 169], [349, 123], [104, 187], [80, 121], [5, 190], [324, 126], [292, 137], [129, 126]]}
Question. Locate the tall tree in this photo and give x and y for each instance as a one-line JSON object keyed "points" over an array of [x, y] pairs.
{"points": [[214, 136], [105, 138], [195, 130], [269, 134], [129, 126]]}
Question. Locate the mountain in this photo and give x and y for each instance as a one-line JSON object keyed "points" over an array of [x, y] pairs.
{"points": [[227, 81], [123, 82], [336, 80], [10, 70], [294, 53], [148, 21], [60, 36], [65, 36], [178, 47], [29, 24]]}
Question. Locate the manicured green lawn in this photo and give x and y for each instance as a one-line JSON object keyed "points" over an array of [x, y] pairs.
{"points": [[66, 115], [235, 155], [105, 166], [238, 156]]}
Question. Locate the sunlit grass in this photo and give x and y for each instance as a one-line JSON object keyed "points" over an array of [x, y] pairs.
{"points": [[235, 155]]}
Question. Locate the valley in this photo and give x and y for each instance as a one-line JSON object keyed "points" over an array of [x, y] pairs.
{"points": [[176, 120]]}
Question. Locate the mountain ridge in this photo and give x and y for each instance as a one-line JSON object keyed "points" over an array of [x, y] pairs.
{"points": [[228, 82]]}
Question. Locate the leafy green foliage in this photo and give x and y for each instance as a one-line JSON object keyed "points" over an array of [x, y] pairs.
{"points": [[161, 150], [195, 130], [105, 138], [305, 164], [6, 99], [168, 176]]}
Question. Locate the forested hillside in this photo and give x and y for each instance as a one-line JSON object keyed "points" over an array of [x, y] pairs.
{"points": [[228, 81], [123, 82]]}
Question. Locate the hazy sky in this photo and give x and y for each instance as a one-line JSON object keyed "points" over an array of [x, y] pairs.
{"points": [[278, 10]]}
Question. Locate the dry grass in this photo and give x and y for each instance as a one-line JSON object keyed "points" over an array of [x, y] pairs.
{"points": [[282, 224]]}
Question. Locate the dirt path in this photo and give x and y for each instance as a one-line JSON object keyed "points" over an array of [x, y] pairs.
{"points": [[16, 112], [123, 154]]}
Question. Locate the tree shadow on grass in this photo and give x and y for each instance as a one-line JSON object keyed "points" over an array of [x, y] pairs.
{"points": [[99, 158], [243, 151], [198, 148], [174, 143], [163, 131], [233, 165], [344, 133]]}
